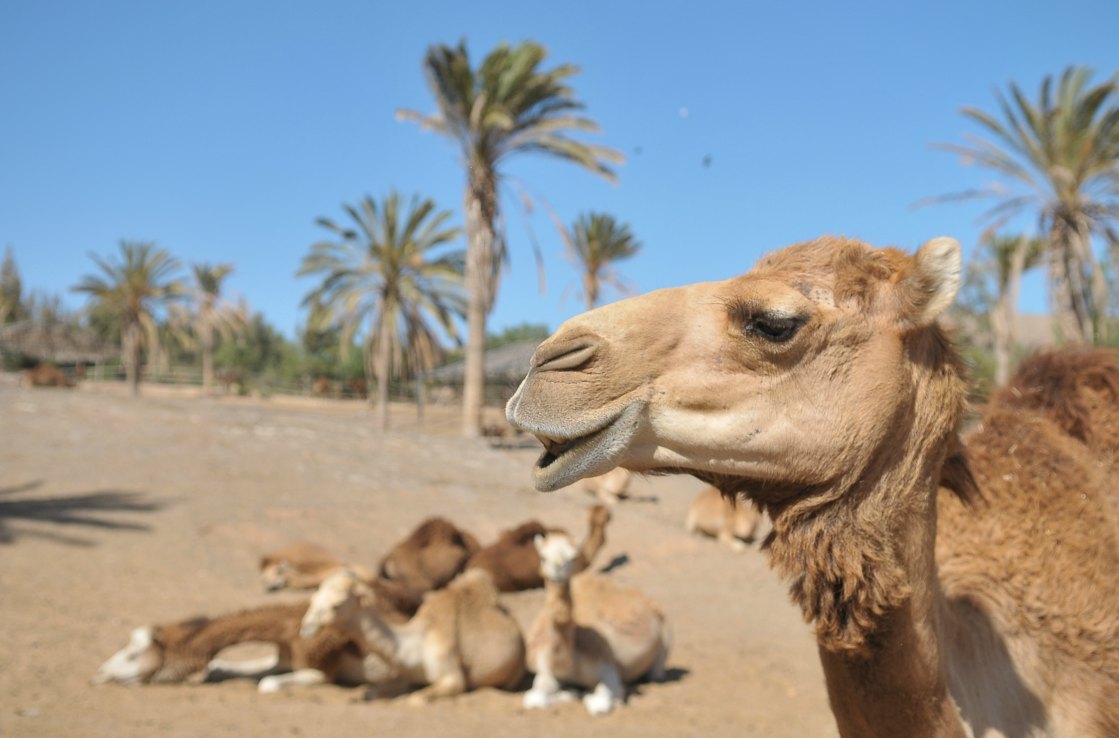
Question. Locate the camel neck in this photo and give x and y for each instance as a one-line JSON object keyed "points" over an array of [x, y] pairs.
{"points": [[190, 645], [557, 601], [895, 685]]}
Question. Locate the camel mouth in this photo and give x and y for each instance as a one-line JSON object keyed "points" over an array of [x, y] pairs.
{"points": [[566, 460]]}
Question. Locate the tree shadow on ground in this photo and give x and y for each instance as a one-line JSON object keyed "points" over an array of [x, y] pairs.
{"points": [[86, 510]]}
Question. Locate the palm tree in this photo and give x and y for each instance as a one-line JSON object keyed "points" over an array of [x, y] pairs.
{"points": [[212, 316], [596, 242], [506, 107], [133, 290], [1012, 257], [382, 269], [1059, 156]]}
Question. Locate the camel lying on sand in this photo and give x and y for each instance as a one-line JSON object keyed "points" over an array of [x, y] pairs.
{"points": [[44, 375], [177, 651], [514, 563], [429, 557], [300, 565], [592, 633], [611, 487], [820, 386], [460, 639], [733, 522]]}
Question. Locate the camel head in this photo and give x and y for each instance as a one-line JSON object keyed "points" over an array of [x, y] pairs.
{"points": [[274, 574], [336, 602], [136, 663], [557, 556], [789, 377]]}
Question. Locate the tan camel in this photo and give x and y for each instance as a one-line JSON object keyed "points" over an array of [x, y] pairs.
{"points": [[610, 487], [592, 633], [177, 651], [460, 639], [732, 521], [429, 557], [300, 565], [513, 562], [820, 386]]}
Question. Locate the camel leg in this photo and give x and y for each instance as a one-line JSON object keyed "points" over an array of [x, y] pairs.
{"points": [[443, 668], [610, 691], [545, 690], [658, 672], [448, 685], [299, 677], [219, 669]]}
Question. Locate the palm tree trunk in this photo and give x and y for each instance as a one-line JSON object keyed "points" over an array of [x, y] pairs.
{"points": [[590, 288], [130, 340], [207, 340], [1066, 288], [383, 348], [480, 201], [1005, 313]]}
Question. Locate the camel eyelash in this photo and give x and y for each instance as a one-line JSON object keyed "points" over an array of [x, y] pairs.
{"points": [[756, 320]]}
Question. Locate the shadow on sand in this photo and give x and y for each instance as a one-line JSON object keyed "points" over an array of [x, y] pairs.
{"points": [[87, 510]]}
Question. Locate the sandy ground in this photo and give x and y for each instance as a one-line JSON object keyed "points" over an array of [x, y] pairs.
{"points": [[116, 513]]}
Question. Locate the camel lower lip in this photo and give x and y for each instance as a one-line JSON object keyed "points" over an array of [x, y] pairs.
{"points": [[597, 452]]}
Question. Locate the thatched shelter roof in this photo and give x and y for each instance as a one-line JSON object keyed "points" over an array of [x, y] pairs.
{"points": [[508, 363], [59, 343]]}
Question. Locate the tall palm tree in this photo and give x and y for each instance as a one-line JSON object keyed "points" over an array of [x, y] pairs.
{"points": [[134, 289], [1060, 157], [211, 316], [1012, 257], [382, 268], [597, 241], [506, 107]]}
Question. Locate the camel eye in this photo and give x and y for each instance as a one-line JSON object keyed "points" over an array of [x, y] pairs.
{"points": [[773, 328]]}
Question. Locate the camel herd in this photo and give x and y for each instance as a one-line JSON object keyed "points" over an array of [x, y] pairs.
{"points": [[427, 620], [960, 583]]}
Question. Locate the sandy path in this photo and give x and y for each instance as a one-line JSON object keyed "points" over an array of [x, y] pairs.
{"points": [[116, 513]]}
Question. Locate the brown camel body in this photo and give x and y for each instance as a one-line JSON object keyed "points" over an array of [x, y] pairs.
{"points": [[177, 651], [45, 375], [820, 386], [429, 557], [514, 563]]}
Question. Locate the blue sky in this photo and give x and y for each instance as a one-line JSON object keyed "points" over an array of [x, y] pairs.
{"points": [[222, 130]]}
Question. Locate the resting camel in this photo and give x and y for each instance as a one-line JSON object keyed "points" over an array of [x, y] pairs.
{"points": [[429, 557], [514, 563], [732, 521], [592, 632], [300, 565], [174, 652], [610, 487], [460, 639], [820, 386], [45, 375]]}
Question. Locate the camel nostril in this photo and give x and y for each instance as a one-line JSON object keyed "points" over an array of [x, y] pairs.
{"points": [[567, 355]]}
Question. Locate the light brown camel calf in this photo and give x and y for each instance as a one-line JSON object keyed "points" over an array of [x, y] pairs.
{"points": [[821, 386]]}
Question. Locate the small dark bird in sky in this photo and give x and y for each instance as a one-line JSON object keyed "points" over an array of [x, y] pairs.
{"points": [[637, 150], [707, 160]]}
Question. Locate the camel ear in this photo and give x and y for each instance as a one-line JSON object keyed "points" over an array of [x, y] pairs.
{"points": [[929, 288]]}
